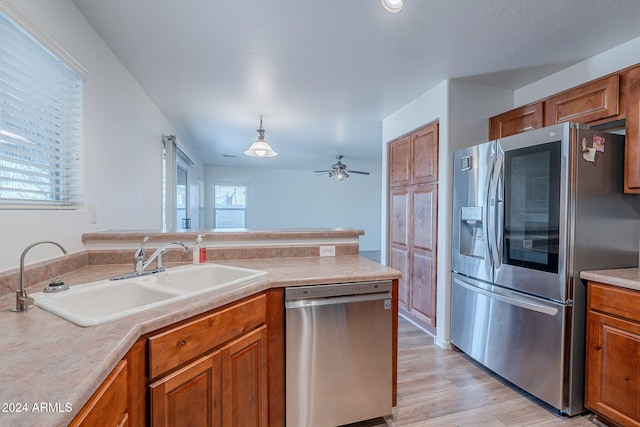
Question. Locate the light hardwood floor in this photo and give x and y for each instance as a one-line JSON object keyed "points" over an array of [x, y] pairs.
{"points": [[439, 387]]}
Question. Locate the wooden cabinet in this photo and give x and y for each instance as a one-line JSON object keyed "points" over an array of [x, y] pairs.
{"points": [[212, 370], [612, 387], [424, 155], [108, 405], [412, 234], [244, 381], [399, 162], [596, 100], [517, 120], [632, 139], [413, 159]]}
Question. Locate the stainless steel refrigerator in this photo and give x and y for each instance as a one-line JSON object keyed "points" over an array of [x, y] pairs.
{"points": [[530, 212]]}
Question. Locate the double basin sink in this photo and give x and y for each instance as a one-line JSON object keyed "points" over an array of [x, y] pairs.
{"points": [[91, 304]]}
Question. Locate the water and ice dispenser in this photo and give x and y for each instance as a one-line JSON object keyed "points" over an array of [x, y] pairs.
{"points": [[472, 241]]}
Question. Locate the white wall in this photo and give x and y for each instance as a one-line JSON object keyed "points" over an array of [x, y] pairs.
{"points": [[298, 199], [618, 58], [122, 133]]}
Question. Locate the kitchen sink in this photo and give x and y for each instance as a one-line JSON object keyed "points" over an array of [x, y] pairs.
{"points": [[91, 304], [201, 278], [98, 302]]}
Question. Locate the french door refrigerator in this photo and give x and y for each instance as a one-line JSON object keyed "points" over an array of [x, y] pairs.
{"points": [[530, 212]]}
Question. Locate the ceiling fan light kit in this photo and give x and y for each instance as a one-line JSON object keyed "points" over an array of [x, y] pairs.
{"points": [[339, 170], [260, 148]]}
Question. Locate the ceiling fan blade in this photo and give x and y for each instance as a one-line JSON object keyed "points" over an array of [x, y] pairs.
{"points": [[361, 173], [327, 171]]}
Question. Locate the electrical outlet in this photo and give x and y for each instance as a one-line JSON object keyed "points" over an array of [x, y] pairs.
{"points": [[327, 251]]}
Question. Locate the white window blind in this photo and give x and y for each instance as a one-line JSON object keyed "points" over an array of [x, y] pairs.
{"points": [[40, 123]]}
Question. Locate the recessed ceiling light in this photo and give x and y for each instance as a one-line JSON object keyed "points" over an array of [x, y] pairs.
{"points": [[393, 6]]}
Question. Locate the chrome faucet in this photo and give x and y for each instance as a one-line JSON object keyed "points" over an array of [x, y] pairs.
{"points": [[23, 300], [141, 264], [158, 254]]}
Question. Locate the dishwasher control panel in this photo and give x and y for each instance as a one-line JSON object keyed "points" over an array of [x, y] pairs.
{"points": [[336, 290]]}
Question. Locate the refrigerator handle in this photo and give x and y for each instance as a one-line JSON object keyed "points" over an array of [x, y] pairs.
{"points": [[497, 218], [486, 217]]}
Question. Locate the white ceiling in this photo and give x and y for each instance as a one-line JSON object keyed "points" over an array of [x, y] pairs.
{"points": [[325, 73]]}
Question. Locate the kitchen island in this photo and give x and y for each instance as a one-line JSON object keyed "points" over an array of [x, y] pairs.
{"points": [[51, 367]]}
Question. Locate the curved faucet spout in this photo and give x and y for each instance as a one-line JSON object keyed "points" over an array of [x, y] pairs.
{"points": [[23, 300], [158, 254]]}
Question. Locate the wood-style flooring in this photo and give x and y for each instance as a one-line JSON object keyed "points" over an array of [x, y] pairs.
{"points": [[439, 387]]}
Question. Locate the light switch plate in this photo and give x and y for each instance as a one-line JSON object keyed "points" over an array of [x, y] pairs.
{"points": [[327, 251]]}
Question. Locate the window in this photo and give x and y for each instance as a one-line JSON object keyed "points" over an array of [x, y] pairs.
{"points": [[230, 202], [40, 121]]}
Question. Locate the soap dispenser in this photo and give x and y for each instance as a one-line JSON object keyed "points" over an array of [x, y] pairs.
{"points": [[199, 251]]}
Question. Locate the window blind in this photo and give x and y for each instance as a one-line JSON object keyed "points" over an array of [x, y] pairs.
{"points": [[40, 123]]}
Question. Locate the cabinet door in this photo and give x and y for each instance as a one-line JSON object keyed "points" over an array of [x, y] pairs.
{"points": [[632, 139], [424, 149], [423, 252], [592, 101], [190, 396], [517, 120], [399, 162], [613, 368], [108, 405], [244, 381], [399, 222]]}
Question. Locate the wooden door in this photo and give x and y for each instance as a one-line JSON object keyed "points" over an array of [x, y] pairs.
{"points": [[423, 253], [613, 368], [399, 222], [244, 381], [424, 152], [399, 162], [190, 396]]}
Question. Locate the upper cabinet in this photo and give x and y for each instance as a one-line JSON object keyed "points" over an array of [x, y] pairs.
{"points": [[517, 121], [413, 159], [632, 139], [596, 100], [611, 100]]}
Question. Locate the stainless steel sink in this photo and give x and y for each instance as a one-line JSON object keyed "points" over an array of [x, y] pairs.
{"points": [[90, 304]]}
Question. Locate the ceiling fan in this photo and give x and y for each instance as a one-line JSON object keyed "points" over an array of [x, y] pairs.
{"points": [[340, 170]]}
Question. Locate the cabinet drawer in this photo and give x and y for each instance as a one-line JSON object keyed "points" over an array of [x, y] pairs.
{"points": [[615, 300], [174, 347]]}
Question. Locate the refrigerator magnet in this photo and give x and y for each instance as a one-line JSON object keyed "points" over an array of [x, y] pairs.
{"points": [[598, 143]]}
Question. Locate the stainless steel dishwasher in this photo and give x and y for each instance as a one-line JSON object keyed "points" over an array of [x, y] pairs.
{"points": [[338, 353]]}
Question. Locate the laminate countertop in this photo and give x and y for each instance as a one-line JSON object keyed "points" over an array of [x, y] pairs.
{"points": [[50, 367], [624, 277]]}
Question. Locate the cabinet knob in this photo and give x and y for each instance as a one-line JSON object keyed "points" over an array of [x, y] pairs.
{"points": [[598, 348], [182, 344]]}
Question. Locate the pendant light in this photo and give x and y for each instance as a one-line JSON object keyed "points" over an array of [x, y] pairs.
{"points": [[260, 148]]}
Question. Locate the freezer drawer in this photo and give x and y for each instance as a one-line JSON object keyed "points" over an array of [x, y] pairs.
{"points": [[519, 337]]}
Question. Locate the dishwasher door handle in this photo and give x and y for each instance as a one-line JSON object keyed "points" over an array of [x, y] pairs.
{"points": [[316, 302]]}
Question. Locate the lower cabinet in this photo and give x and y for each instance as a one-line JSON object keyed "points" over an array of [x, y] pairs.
{"points": [[225, 388], [613, 354], [212, 370], [108, 406]]}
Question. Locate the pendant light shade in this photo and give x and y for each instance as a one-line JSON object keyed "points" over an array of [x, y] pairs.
{"points": [[260, 148]]}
